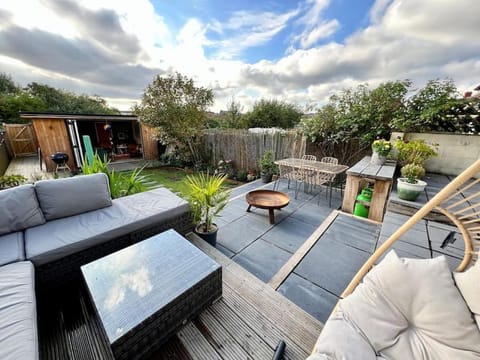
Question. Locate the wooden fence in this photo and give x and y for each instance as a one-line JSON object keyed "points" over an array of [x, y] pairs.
{"points": [[21, 139], [246, 148]]}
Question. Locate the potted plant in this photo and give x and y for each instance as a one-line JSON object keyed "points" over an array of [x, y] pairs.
{"points": [[267, 166], [409, 186], [412, 155], [380, 150], [207, 198]]}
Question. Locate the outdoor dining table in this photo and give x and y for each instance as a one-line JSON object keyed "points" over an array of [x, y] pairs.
{"points": [[330, 170]]}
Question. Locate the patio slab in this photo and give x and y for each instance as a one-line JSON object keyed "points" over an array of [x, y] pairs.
{"points": [[262, 259], [310, 297]]}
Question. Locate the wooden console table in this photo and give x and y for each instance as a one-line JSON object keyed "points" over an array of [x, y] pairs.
{"points": [[381, 176]]}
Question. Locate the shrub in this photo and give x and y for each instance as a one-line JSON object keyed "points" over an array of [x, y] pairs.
{"points": [[413, 152], [121, 184], [8, 181], [412, 172]]}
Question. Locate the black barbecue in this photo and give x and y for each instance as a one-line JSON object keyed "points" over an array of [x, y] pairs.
{"points": [[61, 160]]}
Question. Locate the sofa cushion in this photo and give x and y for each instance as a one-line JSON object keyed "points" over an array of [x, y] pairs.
{"points": [[60, 198], [62, 237], [411, 309], [19, 209], [12, 248], [18, 314], [468, 284]]}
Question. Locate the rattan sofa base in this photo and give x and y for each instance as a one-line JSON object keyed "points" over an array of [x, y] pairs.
{"points": [[60, 272], [154, 331]]}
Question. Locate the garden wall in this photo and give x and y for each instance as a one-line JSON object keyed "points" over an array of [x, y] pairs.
{"points": [[246, 148], [455, 152]]}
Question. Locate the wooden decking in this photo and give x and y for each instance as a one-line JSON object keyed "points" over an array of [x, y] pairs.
{"points": [[247, 323]]}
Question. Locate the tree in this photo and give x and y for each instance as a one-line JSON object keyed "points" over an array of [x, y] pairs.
{"points": [[438, 107], [359, 114], [7, 85], [232, 117], [273, 113], [58, 100], [176, 107], [12, 104]]}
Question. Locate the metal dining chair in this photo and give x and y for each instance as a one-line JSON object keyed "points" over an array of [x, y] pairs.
{"points": [[329, 160]]}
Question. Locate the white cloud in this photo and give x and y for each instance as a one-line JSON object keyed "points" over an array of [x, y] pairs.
{"points": [[420, 40], [324, 30]]}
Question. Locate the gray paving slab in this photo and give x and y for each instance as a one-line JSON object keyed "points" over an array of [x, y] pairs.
{"points": [[311, 213], [236, 236], [262, 259], [405, 249], [400, 219], [310, 297], [354, 232], [414, 235], [331, 265], [289, 234], [438, 234]]}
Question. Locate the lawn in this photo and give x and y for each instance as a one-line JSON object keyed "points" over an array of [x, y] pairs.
{"points": [[173, 179]]}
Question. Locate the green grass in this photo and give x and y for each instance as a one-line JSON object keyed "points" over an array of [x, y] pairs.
{"points": [[172, 179]]}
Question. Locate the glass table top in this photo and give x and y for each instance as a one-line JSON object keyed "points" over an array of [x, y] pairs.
{"points": [[130, 285]]}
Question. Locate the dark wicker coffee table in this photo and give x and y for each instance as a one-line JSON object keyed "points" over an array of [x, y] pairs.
{"points": [[146, 292], [267, 199]]}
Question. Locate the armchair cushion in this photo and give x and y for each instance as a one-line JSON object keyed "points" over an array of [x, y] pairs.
{"points": [[411, 309], [19, 210], [61, 198], [405, 309], [468, 284]]}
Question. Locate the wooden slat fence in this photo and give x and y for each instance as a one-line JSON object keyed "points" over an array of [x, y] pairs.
{"points": [[246, 148]]}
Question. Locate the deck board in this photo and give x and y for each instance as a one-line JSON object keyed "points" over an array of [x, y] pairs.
{"points": [[246, 323]]}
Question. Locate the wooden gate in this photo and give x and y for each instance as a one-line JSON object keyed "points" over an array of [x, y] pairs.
{"points": [[21, 139]]}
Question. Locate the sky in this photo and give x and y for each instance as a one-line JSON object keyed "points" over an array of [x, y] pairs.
{"points": [[296, 51]]}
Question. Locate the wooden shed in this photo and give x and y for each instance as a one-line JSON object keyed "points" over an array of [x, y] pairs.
{"points": [[119, 137]]}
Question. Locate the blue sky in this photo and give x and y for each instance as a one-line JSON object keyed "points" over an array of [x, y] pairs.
{"points": [[297, 51]]}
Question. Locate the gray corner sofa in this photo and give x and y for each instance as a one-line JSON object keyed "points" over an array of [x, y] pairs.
{"points": [[49, 229]]}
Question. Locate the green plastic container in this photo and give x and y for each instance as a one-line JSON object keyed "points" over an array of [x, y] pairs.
{"points": [[362, 205]]}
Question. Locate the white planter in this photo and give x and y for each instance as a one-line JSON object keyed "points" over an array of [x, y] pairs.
{"points": [[408, 191]]}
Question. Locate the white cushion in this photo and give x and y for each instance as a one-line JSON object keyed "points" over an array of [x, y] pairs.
{"points": [[411, 309], [468, 284], [340, 339]]}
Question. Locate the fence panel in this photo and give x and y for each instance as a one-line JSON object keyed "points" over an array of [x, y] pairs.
{"points": [[21, 139], [246, 148]]}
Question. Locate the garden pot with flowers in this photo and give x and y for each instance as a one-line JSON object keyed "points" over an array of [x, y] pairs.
{"points": [[409, 186], [380, 150]]}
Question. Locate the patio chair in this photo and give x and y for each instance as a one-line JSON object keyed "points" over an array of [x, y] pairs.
{"points": [[412, 308], [329, 160]]}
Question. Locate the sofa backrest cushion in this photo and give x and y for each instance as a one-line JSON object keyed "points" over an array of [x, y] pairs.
{"points": [[19, 209], [71, 196]]}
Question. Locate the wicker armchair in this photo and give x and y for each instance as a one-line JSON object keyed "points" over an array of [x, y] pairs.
{"points": [[424, 317]]}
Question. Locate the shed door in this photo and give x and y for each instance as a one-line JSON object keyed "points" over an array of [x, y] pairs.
{"points": [[76, 143]]}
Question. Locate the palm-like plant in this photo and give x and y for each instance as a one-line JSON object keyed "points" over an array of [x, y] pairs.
{"points": [[207, 198]]}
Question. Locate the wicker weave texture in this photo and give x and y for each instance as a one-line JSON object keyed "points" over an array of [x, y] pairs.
{"points": [[148, 336]]}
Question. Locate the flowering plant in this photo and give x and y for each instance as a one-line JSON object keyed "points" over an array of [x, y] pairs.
{"points": [[382, 147]]}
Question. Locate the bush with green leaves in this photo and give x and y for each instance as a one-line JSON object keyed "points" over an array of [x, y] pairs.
{"points": [[8, 181], [412, 172], [413, 151], [273, 113], [267, 165], [121, 183]]}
